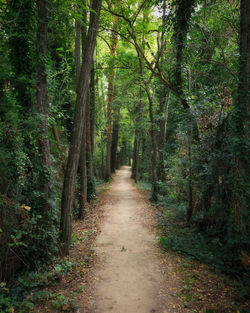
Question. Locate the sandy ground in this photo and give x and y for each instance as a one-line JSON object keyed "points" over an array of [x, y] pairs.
{"points": [[129, 276]]}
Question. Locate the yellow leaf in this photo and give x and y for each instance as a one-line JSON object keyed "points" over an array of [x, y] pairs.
{"points": [[25, 207]]}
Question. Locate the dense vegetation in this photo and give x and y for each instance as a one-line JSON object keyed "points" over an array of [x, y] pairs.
{"points": [[86, 87]]}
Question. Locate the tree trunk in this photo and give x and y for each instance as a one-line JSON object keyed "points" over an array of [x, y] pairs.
{"points": [[137, 140], [155, 188], [77, 49], [79, 119], [163, 111], [92, 109], [241, 117], [115, 137], [102, 156], [41, 94], [135, 158], [83, 177], [111, 75], [89, 158], [81, 32]]}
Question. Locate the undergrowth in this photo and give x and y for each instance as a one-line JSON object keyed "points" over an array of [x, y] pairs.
{"points": [[206, 245], [32, 287]]}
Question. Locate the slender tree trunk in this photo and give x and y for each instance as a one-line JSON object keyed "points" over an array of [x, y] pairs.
{"points": [[163, 111], [163, 102], [42, 32], [92, 109], [81, 32], [137, 139], [102, 156], [90, 167], [115, 137], [77, 49], [155, 188], [83, 177], [79, 119], [109, 125], [135, 158], [104, 114], [111, 91]]}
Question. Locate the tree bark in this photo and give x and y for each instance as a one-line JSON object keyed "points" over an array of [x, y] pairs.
{"points": [[83, 177], [77, 49], [81, 32], [241, 117], [111, 75], [89, 157], [135, 158], [79, 119], [163, 111], [155, 188], [135, 165], [92, 109], [44, 147], [115, 137]]}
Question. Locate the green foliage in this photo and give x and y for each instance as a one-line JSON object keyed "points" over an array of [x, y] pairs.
{"points": [[30, 237], [207, 246], [33, 286]]}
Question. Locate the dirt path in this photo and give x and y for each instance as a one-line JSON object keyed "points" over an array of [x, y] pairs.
{"points": [[129, 275], [119, 267]]}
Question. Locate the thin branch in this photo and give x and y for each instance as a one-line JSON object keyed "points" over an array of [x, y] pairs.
{"points": [[116, 14], [107, 43], [119, 34], [138, 11]]}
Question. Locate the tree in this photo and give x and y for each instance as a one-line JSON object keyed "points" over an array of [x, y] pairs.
{"points": [[111, 91], [79, 119], [241, 119]]}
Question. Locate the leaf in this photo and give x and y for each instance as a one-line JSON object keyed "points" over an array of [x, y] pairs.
{"points": [[26, 207]]}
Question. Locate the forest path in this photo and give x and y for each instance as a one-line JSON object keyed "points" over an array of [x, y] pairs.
{"points": [[129, 275]]}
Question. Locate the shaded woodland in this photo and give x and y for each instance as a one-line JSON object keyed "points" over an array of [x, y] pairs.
{"points": [[87, 86]]}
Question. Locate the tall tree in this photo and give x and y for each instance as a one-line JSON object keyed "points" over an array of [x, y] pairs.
{"points": [[115, 137], [79, 120], [90, 120], [111, 90], [241, 118], [80, 34]]}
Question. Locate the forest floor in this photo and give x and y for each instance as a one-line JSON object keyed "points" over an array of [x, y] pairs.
{"points": [[121, 267]]}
